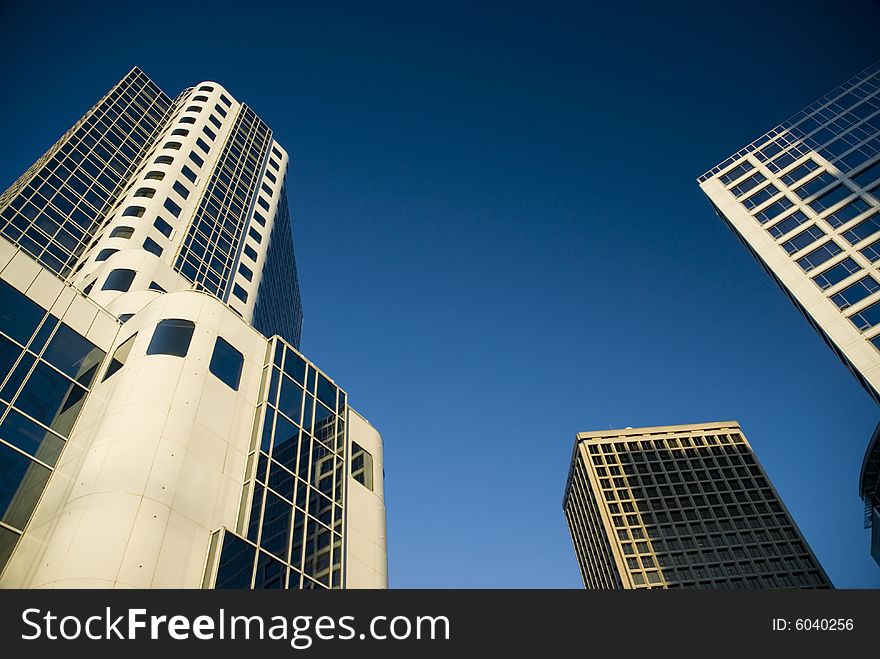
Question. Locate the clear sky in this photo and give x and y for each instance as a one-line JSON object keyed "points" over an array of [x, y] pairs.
{"points": [[501, 241]]}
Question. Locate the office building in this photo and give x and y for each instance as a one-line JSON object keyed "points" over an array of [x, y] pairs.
{"points": [[804, 200], [869, 491], [681, 507], [159, 427]]}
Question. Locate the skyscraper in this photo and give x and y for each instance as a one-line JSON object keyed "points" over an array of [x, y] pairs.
{"points": [[804, 200], [681, 507], [151, 435]]}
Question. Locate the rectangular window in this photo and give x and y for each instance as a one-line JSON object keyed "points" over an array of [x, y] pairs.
{"points": [[263, 203], [117, 361], [774, 210], [803, 239], [836, 274], [814, 185], [844, 214], [220, 111], [171, 337], [855, 292], [190, 174], [214, 120], [240, 293], [260, 219], [818, 256], [181, 189], [196, 158], [225, 100], [253, 233], [245, 272], [172, 208], [799, 172], [866, 177], [266, 189], [790, 223], [163, 227], [250, 253], [273, 164], [226, 363], [871, 252], [361, 466], [202, 144], [760, 196], [830, 198], [862, 230], [210, 133], [867, 317], [153, 247]]}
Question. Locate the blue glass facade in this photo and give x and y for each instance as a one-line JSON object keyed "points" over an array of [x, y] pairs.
{"points": [[56, 207], [214, 238], [46, 371], [290, 535], [278, 309]]}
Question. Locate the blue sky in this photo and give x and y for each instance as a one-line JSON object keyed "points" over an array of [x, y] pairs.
{"points": [[500, 238]]}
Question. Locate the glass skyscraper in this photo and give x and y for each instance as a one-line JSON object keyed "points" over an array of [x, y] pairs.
{"points": [[681, 507], [151, 435], [804, 200]]}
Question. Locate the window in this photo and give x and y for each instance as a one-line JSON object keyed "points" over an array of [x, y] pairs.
{"points": [[867, 176], [163, 227], [830, 198], [183, 132], [122, 232], [259, 218], [214, 120], [276, 152], [105, 254], [240, 293], [155, 176], [773, 210], [149, 193], [134, 211], [196, 158], [836, 274], [748, 184], [118, 280], [867, 317], [266, 189], [271, 176], [250, 253], [246, 272], [172, 145], [205, 88], [172, 208], [855, 292], [818, 256], [210, 133], [226, 363], [273, 164], [164, 160], [172, 337], [843, 215], [181, 189], [862, 230], [125, 317], [190, 174], [871, 252], [194, 108], [220, 111], [814, 185], [803, 239], [225, 100], [253, 233], [361, 466], [760, 196], [200, 98], [187, 120], [263, 203], [799, 172], [790, 223], [156, 287], [153, 247], [120, 355]]}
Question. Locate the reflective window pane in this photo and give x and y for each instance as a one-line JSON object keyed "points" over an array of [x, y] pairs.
{"points": [[72, 354], [29, 437], [236, 563], [172, 337], [19, 316], [21, 483], [226, 363]]}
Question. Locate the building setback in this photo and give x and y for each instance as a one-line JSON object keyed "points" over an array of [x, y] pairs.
{"points": [[681, 507], [151, 435]]}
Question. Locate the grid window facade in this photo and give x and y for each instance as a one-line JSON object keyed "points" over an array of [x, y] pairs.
{"points": [[56, 207], [46, 371], [291, 532], [681, 507], [208, 254]]}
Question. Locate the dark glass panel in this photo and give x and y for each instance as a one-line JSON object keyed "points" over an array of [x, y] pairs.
{"points": [[236, 563], [172, 337]]}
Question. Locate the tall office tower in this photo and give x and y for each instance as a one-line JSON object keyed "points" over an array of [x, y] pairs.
{"points": [[151, 435], [869, 491], [804, 200], [681, 507]]}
